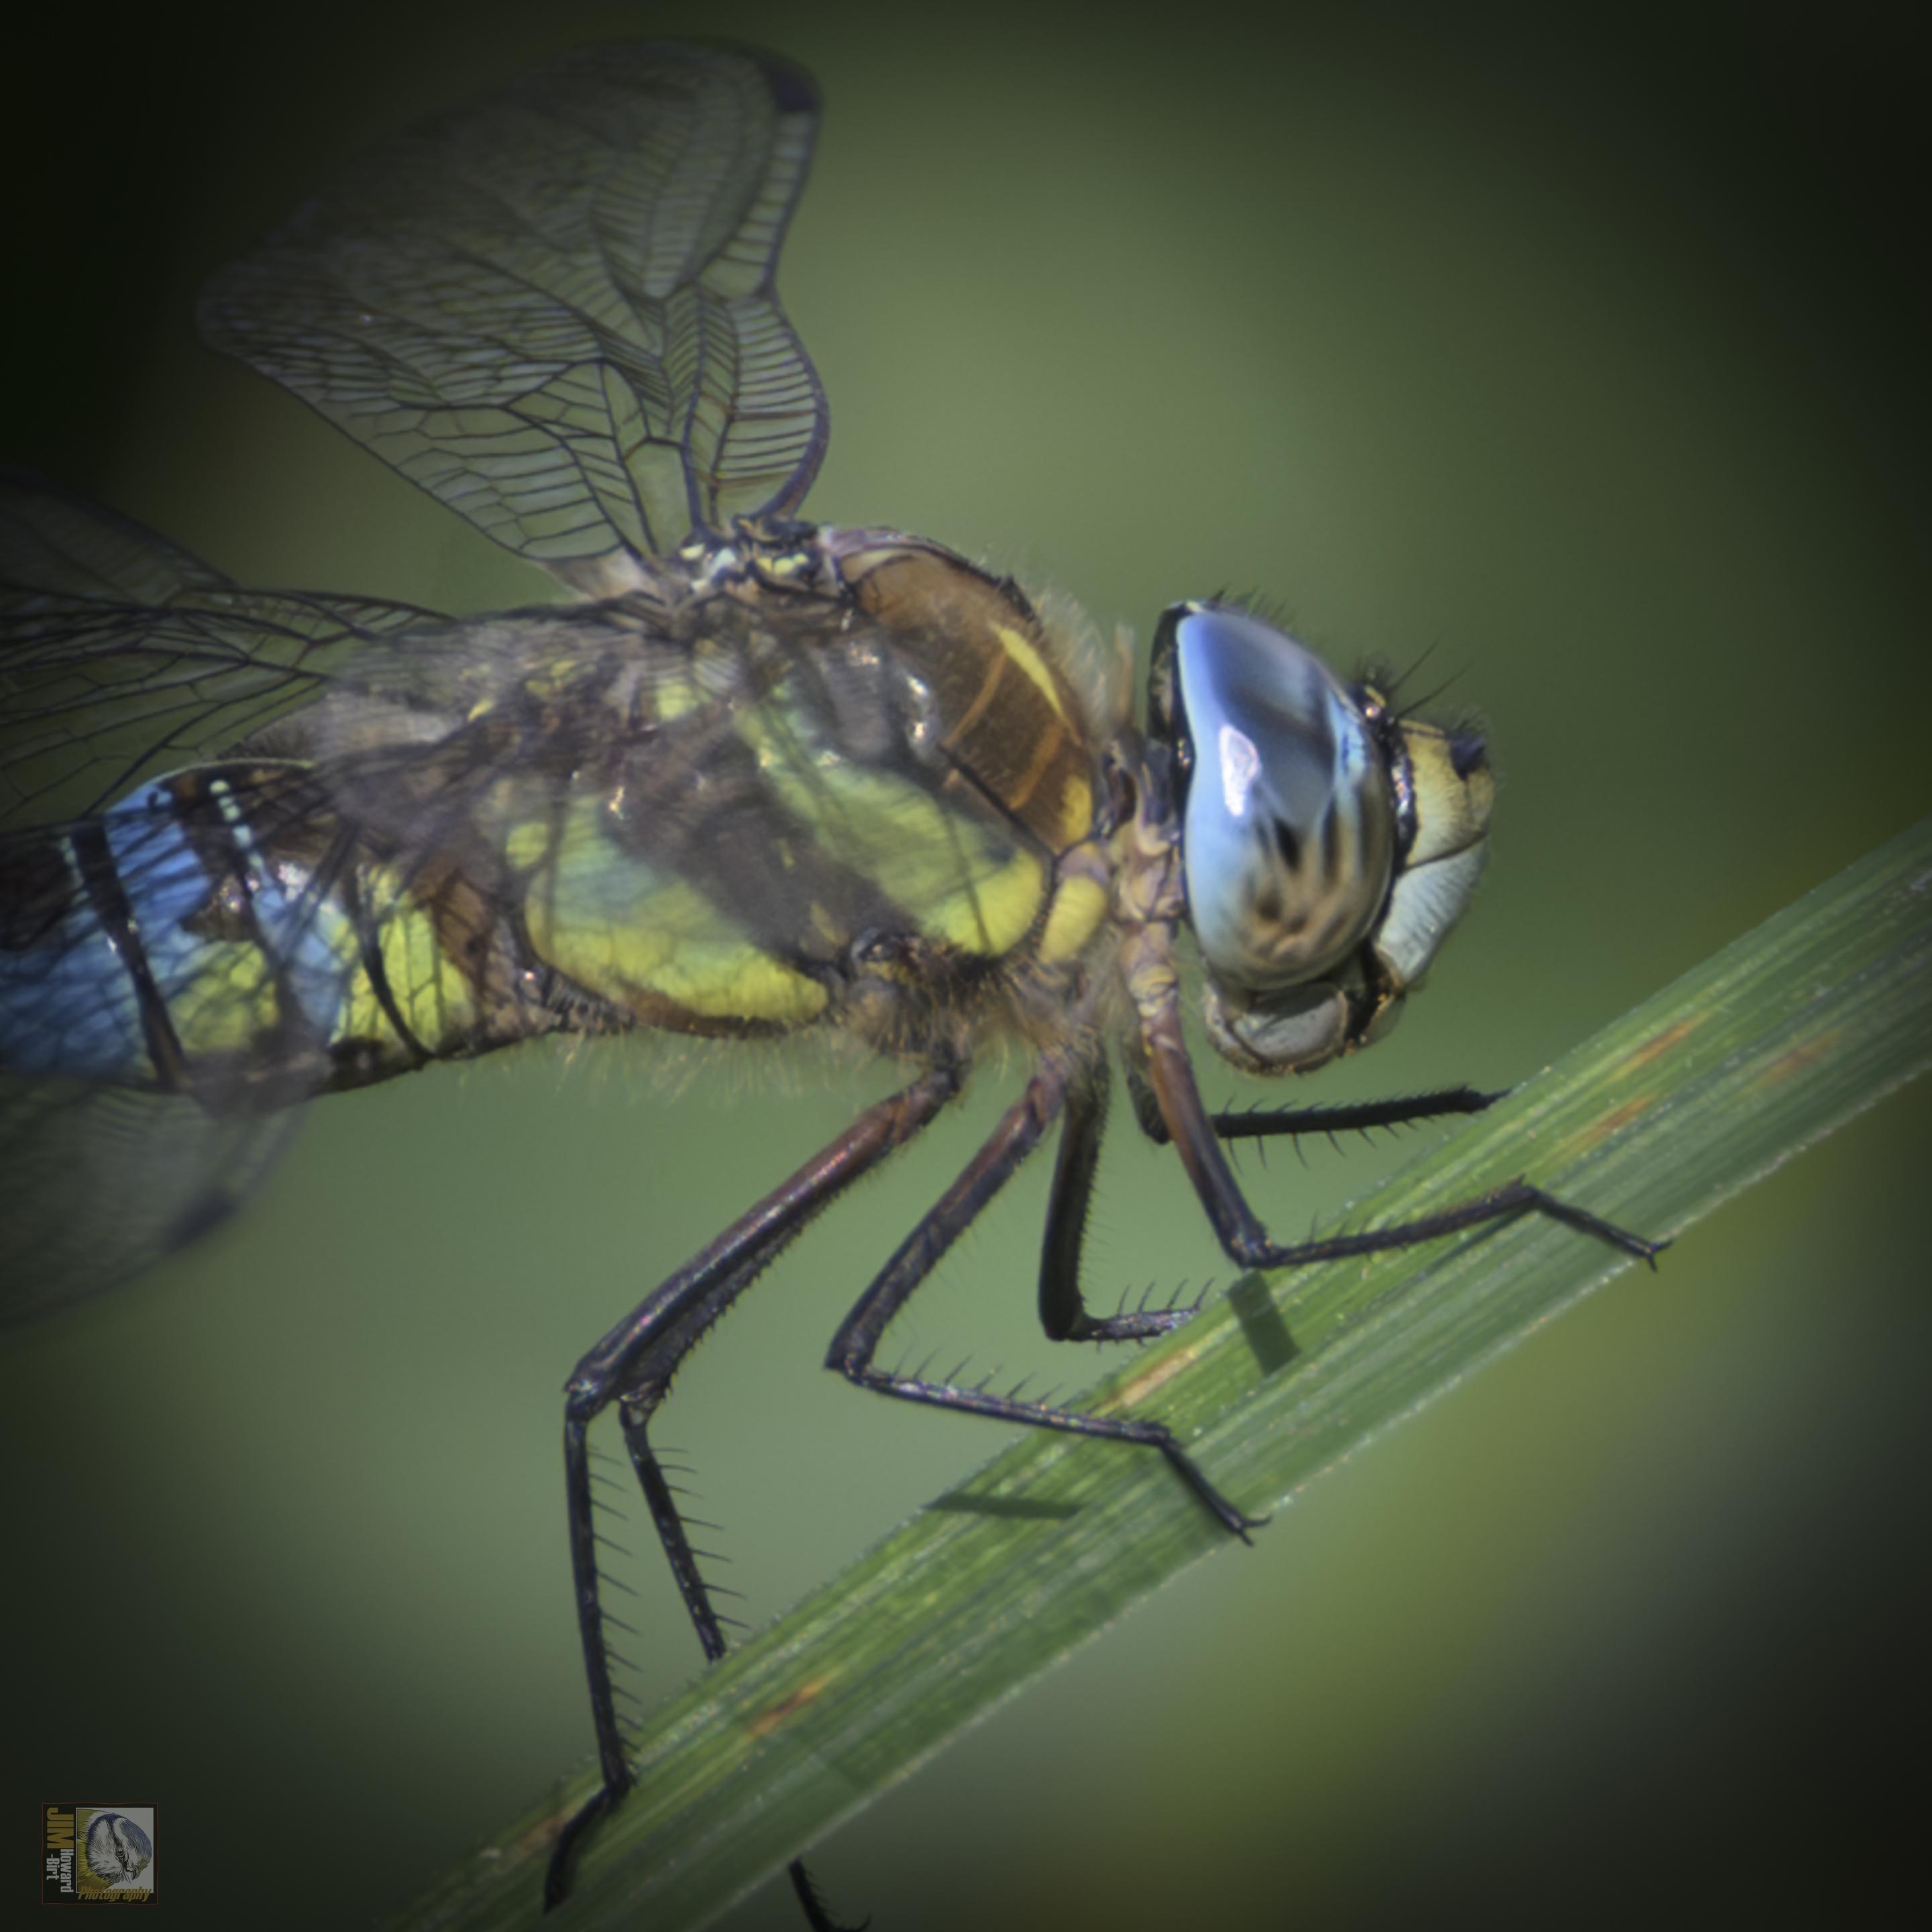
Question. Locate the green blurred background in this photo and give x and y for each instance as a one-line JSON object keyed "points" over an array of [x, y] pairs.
{"points": [[1585, 346]]}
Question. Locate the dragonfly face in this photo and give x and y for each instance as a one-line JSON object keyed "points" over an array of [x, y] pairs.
{"points": [[758, 776]]}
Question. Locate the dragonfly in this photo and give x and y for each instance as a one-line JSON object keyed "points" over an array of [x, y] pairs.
{"points": [[753, 777]]}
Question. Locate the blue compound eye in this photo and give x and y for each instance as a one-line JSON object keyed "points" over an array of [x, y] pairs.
{"points": [[1289, 832]]}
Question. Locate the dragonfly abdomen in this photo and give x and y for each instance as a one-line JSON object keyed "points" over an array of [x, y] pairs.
{"points": [[220, 936]]}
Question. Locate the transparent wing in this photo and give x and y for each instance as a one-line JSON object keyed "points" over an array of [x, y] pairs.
{"points": [[121, 656], [556, 311], [97, 1183]]}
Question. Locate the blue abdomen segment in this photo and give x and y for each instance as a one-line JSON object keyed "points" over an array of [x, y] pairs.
{"points": [[159, 945]]}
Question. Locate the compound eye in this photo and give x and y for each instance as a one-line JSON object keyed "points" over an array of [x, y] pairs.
{"points": [[1288, 831]]}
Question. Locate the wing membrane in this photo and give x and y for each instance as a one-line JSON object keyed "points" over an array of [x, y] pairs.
{"points": [[97, 1183], [122, 656], [556, 311]]}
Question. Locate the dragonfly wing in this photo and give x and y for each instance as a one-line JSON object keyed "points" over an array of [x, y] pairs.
{"points": [[55, 543], [122, 656], [97, 1183], [556, 311]]}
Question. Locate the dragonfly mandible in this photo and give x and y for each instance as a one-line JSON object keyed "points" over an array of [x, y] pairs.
{"points": [[757, 776]]}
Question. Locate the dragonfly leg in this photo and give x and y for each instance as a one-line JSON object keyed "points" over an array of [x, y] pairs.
{"points": [[853, 1347], [1197, 1139], [633, 1367], [1355, 1116], [1063, 1310]]}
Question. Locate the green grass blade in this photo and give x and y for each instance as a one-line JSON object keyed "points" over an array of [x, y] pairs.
{"points": [[1707, 1087]]}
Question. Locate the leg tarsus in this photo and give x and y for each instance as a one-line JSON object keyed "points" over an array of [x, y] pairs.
{"points": [[1236, 1523], [817, 1913], [1141, 1324], [857, 1369], [563, 1853], [1508, 1202], [1585, 1222]]}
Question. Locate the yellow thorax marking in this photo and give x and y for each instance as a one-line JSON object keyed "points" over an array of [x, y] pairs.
{"points": [[1076, 807], [1079, 906], [1044, 753], [996, 669], [1020, 649]]}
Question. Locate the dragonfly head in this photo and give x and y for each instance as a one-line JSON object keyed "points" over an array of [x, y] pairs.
{"points": [[1327, 845]]}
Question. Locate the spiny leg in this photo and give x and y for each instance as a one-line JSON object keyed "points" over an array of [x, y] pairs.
{"points": [[1063, 1310], [1351, 1117], [634, 1365], [856, 1343], [1506, 1203], [1242, 1236]]}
